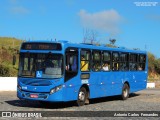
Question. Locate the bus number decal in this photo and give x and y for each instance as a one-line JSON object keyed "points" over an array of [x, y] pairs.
{"points": [[85, 81]]}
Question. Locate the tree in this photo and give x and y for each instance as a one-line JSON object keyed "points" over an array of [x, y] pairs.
{"points": [[112, 43], [89, 36], [157, 65], [151, 62]]}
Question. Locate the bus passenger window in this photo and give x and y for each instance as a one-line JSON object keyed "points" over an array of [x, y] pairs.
{"points": [[115, 66], [133, 66], [140, 67], [85, 60], [133, 62], [124, 64], [142, 60], [96, 61], [106, 61], [96, 67], [115, 61], [106, 67]]}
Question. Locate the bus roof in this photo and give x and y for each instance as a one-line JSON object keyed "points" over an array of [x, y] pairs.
{"points": [[67, 44]]}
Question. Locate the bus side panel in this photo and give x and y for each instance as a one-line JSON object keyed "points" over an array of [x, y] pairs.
{"points": [[116, 82], [71, 89], [101, 84], [141, 80], [138, 80], [94, 85], [130, 78], [105, 84]]}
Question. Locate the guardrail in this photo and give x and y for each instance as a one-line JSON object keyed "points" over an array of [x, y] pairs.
{"points": [[8, 83], [151, 85]]}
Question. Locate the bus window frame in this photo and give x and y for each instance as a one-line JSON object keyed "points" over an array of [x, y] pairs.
{"points": [[126, 61], [133, 62], [109, 62], [142, 63], [117, 61], [97, 61], [89, 61]]}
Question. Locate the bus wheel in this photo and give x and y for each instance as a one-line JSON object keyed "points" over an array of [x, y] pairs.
{"points": [[125, 92], [82, 95]]}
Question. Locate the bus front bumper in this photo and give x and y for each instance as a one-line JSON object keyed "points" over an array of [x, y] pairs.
{"points": [[55, 97]]}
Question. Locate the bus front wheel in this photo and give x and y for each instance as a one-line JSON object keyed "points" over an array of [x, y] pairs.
{"points": [[82, 96], [125, 91]]}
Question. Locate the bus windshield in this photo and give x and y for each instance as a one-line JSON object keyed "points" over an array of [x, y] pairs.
{"points": [[40, 65]]}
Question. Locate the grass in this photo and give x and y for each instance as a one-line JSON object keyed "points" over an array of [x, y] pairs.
{"points": [[10, 42], [8, 48]]}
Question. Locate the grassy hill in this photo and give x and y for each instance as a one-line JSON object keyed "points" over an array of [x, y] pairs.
{"points": [[8, 48]]}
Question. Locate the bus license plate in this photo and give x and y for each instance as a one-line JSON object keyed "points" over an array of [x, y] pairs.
{"points": [[33, 95]]}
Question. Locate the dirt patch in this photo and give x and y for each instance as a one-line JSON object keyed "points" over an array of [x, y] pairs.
{"points": [[8, 93], [157, 84], [152, 100]]}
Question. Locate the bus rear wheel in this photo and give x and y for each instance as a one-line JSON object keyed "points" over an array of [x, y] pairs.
{"points": [[125, 91], [82, 96]]}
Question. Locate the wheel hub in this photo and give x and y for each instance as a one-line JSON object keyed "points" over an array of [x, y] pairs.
{"points": [[125, 92], [81, 96]]}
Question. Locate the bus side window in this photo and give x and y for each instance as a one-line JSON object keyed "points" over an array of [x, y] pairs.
{"points": [[106, 61], [85, 60], [124, 58], [142, 61], [115, 61], [133, 62], [96, 60]]}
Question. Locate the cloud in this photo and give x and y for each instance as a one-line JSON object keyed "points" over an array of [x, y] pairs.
{"points": [[106, 21], [19, 10]]}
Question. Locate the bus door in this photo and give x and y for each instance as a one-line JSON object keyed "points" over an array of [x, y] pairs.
{"points": [[71, 72]]}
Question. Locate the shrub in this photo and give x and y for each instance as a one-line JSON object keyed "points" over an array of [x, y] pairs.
{"points": [[4, 71]]}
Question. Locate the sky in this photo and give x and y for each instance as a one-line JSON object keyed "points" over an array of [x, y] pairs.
{"points": [[133, 23]]}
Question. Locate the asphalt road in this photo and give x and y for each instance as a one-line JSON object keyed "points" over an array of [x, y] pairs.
{"points": [[146, 100]]}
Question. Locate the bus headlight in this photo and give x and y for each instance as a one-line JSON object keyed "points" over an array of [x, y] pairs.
{"points": [[55, 89]]}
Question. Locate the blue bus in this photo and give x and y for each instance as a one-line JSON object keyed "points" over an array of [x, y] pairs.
{"points": [[61, 71]]}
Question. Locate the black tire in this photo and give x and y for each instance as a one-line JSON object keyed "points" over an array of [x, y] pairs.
{"points": [[125, 91], [82, 96]]}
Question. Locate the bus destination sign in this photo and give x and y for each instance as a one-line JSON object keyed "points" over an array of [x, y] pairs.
{"points": [[41, 46]]}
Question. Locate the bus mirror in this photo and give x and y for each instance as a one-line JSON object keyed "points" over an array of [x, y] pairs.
{"points": [[14, 60]]}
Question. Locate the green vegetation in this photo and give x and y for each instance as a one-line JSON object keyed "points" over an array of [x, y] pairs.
{"points": [[8, 48], [153, 67]]}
